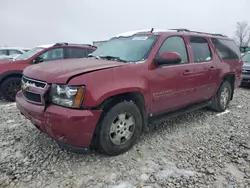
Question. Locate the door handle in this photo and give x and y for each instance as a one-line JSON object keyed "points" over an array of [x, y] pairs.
{"points": [[211, 68], [187, 72]]}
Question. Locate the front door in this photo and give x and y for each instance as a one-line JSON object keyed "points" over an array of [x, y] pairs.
{"points": [[172, 86]]}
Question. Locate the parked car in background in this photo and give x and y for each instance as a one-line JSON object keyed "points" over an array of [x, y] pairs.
{"points": [[11, 52], [106, 100], [246, 69], [244, 49], [11, 70]]}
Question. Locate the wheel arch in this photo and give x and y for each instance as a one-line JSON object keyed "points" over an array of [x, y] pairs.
{"points": [[135, 97], [230, 77], [8, 74]]}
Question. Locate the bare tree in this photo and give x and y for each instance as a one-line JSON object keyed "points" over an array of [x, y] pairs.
{"points": [[242, 33]]}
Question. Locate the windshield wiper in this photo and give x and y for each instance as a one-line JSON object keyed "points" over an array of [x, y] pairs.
{"points": [[112, 58]]}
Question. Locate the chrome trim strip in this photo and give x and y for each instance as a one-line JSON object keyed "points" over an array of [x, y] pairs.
{"points": [[45, 83]]}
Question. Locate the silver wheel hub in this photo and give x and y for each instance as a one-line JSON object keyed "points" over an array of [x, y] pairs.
{"points": [[224, 97], [122, 128]]}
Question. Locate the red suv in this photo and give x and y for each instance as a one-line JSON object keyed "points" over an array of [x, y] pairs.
{"points": [[106, 100], [11, 70]]}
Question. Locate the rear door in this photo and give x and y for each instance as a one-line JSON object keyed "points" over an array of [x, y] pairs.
{"points": [[172, 86], [205, 69]]}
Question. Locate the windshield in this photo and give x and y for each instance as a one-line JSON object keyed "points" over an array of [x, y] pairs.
{"points": [[29, 54], [130, 49], [246, 57]]}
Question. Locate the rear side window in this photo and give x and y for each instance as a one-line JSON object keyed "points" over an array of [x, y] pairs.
{"points": [[76, 52], [227, 49], [201, 49], [3, 52], [13, 52]]}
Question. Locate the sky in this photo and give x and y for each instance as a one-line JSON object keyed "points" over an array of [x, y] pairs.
{"points": [[28, 23]]}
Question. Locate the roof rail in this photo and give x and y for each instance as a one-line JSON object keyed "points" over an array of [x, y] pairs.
{"points": [[65, 44], [198, 32], [61, 44]]}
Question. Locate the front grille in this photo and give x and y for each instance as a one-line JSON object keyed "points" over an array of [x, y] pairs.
{"points": [[34, 97], [246, 72], [33, 90], [34, 83]]}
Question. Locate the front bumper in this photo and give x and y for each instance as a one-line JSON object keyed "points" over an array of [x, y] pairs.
{"points": [[69, 127], [245, 79]]}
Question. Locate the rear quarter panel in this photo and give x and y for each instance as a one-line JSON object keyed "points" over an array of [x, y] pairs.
{"points": [[227, 67], [235, 67]]}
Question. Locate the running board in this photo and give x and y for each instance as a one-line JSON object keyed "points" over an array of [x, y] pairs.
{"points": [[163, 117]]}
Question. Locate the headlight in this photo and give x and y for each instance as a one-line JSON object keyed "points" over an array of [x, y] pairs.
{"points": [[68, 96]]}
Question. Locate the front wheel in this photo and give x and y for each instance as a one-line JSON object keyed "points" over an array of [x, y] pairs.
{"points": [[10, 87], [221, 101], [120, 128]]}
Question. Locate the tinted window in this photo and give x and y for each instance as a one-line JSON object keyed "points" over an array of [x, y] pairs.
{"points": [[201, 49], [54, 54], [3, 52], [76, 53], [227, 49], [175, 44], [13, 52]]}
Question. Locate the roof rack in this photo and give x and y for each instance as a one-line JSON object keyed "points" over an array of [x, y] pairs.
{"points": [[187, 30], [66, 44]]}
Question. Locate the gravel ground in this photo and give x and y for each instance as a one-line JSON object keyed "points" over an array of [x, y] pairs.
{"points": [[200, 149]]}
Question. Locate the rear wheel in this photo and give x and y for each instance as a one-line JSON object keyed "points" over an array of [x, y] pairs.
{"points": [[10, 87], [221, 101], [120, 128]]}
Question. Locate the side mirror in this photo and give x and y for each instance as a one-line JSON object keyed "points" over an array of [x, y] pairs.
{"points": [[37, 60], [168, 59]]}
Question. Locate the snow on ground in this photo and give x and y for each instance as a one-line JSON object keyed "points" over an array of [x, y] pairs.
{"points": [[200, 149]]}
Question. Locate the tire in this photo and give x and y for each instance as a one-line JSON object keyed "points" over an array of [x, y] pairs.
{"points": [[10, 87], [225, 92], [114, 129]]}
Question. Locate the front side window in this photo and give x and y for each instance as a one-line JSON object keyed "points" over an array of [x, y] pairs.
{"points": [[129, 49], [227, 49], [28, 54], [175, 44], [201, 49], [54, 54]]}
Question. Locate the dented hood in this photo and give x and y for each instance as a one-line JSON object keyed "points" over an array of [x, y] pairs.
{"points": [[62, 70]]}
